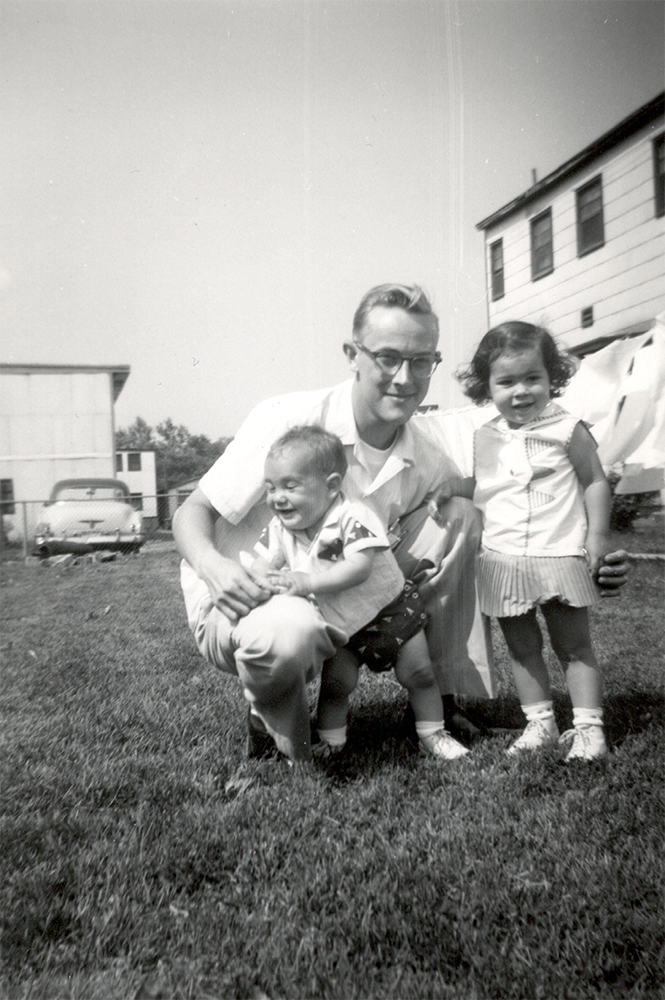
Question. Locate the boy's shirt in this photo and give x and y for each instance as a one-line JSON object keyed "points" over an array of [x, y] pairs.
{"points": [[349, 526]]}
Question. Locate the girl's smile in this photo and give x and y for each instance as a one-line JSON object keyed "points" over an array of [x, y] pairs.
{"points": [[520, 386]]}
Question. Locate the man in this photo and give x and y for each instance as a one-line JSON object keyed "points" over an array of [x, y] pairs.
{"points": [[393, 467]]}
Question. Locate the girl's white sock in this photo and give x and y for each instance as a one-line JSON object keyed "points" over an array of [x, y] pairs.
{"points": [[424, 729], [541, 710], [333, 737], [587, 717]]}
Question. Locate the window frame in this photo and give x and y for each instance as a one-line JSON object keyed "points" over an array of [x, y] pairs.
{"points": [[7, 497], [583, 247], [497, 274], [133, 461], [542, 271], [658, 146]]}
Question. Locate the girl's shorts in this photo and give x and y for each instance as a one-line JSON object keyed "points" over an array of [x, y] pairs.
{"points": [[378, 644], [511, 585]]}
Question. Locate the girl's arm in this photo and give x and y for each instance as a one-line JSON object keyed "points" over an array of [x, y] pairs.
{"points": [[348, 572], [597, 496], [451, 488]]}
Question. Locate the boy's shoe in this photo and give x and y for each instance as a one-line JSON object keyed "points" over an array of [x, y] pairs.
{"points": [[587, 742], [538, 735], [259, 742], [442, 745], [325, 751]]}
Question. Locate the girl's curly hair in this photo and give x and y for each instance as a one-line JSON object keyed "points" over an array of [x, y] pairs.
{"points": [[514, 337]]}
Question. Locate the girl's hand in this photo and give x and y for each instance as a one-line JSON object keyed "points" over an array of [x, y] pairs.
{"points": [[597, 546], [296, 584]]}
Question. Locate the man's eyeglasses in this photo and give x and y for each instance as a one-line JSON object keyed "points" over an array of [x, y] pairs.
{"points": [[390, 362]]}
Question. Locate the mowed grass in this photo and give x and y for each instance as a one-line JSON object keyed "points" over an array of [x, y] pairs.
{"points": [[142, 856]]}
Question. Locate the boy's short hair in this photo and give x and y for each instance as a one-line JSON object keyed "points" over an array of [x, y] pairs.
{"points": [[325, 450]]}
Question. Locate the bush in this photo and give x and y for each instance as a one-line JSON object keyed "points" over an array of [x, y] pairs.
{"points": [[627, 507]]}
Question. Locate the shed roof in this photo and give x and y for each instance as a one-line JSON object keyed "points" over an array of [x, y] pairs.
{"points": [[119, 373]]}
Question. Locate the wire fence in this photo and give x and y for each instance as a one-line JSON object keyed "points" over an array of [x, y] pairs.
{"points": [[79, 524]]}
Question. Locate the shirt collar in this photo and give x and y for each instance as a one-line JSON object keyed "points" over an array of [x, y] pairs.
{"points": [[342, 423]]}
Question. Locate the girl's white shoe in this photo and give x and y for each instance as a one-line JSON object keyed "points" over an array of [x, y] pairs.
{"points": [[442, 745], [539, 734], [587, 742]]}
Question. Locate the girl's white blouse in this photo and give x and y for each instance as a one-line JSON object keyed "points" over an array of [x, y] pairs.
{"points": [[526, 487]]}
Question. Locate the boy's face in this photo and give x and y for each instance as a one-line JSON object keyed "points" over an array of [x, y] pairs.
{"points": [[298, 496]]}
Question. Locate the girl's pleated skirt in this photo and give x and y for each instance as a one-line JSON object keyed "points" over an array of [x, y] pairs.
{"points": [[512, 585]]}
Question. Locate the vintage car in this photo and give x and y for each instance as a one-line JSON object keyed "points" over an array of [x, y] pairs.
{"points": [[84, 515]]}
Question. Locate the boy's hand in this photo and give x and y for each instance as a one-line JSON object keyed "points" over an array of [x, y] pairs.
{"points": [[296, 584]]}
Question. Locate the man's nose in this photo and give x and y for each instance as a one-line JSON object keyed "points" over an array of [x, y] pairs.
{"points": [[403, 375]]}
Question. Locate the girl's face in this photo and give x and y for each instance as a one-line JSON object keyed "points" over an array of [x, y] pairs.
{"points": [[520, 386]]}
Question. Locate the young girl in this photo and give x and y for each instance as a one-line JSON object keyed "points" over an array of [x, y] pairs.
{"points": [[545, 503]]}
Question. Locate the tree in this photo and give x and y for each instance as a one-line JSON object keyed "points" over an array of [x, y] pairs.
{"points": [[179, 455]]}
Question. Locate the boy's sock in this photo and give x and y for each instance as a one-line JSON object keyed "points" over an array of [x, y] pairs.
{"points": [[424, 729], [333, 737]]}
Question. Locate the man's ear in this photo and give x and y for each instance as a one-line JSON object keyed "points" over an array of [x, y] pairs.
{"points": [[334, 483], [351, 352]]}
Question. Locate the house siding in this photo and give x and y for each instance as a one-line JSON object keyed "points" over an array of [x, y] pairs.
{"points": [[624, 280]]}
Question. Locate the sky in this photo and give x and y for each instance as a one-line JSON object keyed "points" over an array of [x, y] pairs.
{"points": [[205, 190]]}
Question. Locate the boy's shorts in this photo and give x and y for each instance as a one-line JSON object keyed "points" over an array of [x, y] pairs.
{"points": [[379, 644]]}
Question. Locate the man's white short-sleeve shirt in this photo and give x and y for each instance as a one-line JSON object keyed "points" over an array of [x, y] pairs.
{"points": [[414, 468]]}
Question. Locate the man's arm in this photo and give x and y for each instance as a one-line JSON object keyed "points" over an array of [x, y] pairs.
{"points": [[458, 487], [234, 590]]}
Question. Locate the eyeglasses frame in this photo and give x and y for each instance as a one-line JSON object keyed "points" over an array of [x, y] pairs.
{"points": [[435, 360]]}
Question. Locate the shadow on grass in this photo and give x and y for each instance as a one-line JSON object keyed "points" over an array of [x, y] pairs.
{"points": [[381, 736]]}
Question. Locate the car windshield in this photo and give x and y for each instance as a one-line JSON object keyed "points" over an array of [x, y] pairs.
{"points": [[91, 493]]}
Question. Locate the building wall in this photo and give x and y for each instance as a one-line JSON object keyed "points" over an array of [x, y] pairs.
{"points": [[56, 425], [141, 482], [624, 280]]}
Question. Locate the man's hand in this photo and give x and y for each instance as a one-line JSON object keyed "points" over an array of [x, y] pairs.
{"points": [[234, 590], [613, 573], [435, 504]]}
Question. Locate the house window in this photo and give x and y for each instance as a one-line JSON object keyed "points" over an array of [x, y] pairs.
{"points": [[587, 317], [659, 173], [7, 496], [118, 462], [134, 461], [137, 500], [590, 226], [542, 256], [496, 269]]}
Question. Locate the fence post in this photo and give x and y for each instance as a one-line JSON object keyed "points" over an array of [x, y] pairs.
{"points": [[25, 528]]}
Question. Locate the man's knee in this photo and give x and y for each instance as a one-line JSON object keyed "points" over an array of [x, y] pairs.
{"points": [[283, 630]]}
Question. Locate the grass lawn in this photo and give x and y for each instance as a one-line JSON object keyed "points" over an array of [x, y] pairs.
{"points": [[142, 856]]}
